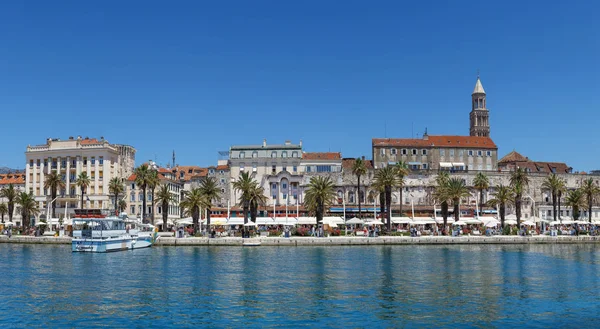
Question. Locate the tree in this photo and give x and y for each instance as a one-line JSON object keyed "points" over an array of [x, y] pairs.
{"points": [[210, 191], [320, 194], [83, 181], [142, 175], [401, 171], [192, 203], [503, 197], [122, 205], [10, 193], [28, 208], [576, 200], [386, 179], [164, 197], [440, 194], [244, 184], [3, 210], [519, 180], [153, 182], [455, 190], [257, 198], [553, 184], [115, 187], [590, 192], [481, 182], [53, 182], [359, 169]]}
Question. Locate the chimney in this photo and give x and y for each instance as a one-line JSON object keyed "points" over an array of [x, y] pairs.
{"points": [[288, 142], [265, 142], [425, 135], [301, 143]]}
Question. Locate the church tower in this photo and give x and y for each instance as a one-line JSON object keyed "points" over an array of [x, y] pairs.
{"points": [[479, 118]]}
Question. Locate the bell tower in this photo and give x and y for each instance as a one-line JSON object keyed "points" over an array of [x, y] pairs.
{"points": [[479, 118]]}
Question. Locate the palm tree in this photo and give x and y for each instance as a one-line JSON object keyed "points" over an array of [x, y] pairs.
{"points": [[3, 210], [590, 191], [10, 193], [115, 187], [142, 174], [153, 182], [257, 198], [210, 191], [192, 203], [401, 171], [481, 183], [504, 196], [386, 179], [83, 181], [519, 180], [359, 169], [562, 188], [553, 184], [164, 197], [53, 182], [320, 194], [442, 182], [455, 190], [576, 200], [28, 207], [244, 184], [122, 205]]}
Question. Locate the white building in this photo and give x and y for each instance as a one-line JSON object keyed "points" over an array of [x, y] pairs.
{"points": [[100, 159]]}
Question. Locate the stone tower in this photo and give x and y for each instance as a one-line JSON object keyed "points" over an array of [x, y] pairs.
{"points": [[479, 118]]}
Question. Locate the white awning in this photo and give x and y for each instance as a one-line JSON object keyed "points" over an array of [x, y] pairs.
{"points": [[445, 165], [458, 164]]}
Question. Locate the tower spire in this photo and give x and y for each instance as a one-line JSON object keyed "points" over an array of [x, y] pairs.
{"points": [[173, 159]]}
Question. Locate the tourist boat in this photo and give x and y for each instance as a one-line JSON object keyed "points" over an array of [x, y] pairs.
{"points": [[96, 232]]}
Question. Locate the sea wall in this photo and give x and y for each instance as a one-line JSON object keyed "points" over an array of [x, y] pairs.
{"points": [[336, 241]]}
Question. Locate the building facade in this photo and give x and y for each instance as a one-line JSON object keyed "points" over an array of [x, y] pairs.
{"points": [[98, 158], [17, 179], [479, 118]]}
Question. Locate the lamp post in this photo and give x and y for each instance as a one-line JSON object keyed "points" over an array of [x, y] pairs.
{"points": [[48, 219], [153, 168]]}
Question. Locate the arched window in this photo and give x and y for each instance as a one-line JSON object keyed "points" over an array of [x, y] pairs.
{"points": [[350, 197], [362, 196], [340, 196]]}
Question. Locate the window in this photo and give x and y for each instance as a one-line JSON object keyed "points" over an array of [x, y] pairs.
{"points": [[133, 186], [294, 154], [460, 153], [31, 163], [295, 168], [404, 151], [424, 166], [45, 163], [308, 169], [284, 154], [284, 168], [273, 169], [63, 164], [132, 196], [442, 152], [393, 151], [242, 166], [93, 161], [470, 153], [274, 186], [73, 163], [242, 155], [273, 154], [488, 153], [479, 153], [255, 154], [84, 161], [141, 197], [283, 186], [254, 167], [101, 160], [451, 152], [149, 196], [132, 210], [424, 152], [414, 152], [323, 168]]}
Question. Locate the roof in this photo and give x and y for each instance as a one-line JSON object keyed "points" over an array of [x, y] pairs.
{"points": [[478, 142], [90, 141], [543, 167], [267, 147], [513, 156], [478, 87], [13, 178], [223, 167], [347, 163], [189, 172], [322, 156]]}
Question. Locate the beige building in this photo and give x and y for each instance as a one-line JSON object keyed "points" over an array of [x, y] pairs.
{"points": [[100, 159], [17, 179]]}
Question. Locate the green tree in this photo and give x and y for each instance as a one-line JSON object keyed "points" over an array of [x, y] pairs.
{"points": [[320, 195], [386, 179], [519, 181], [553, 184], [164, 197], [10, 193], [481, 183], [153, 182], [28, 208], [142, 176], [192, 203], [401, 171], [122, 205], [359, 169], [3, 210], [503, 196], [590, 192], [244, 184], [53, 182], [210, 191], [440, 194], [576, 200], [116, 188], [257, 198], [455, 190], [83, 181]]}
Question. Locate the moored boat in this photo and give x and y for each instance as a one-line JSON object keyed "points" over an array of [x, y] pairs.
{"points": [[94, 232]]}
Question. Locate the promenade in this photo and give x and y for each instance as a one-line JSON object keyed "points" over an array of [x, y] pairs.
{"points": [[337, 241]]}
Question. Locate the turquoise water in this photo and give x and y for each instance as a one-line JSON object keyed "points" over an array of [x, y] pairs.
{"points": [[371, 286]]}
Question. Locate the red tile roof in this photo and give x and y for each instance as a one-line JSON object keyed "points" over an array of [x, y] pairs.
{"points": [[438, 141], [223, 167], [13, 178], [90, 141], [347, 163], [322, 156], [541, 167], [513, 157]]}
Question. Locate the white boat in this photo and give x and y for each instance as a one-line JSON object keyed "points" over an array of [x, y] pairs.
{"points": [[94, 233], [250, 243]]}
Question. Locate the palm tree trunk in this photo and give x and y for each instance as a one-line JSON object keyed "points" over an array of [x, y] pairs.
{"points": [[208, 217], [480, 202], [590, 200], [401, 201], [246, 212], [165, 213], [388, 201], [53, 205], [559, 196], [116, 210], [554, 205], [445, 214], [11, 210], [502, 212], [518, 209], [144, 204], [456, 210], [358, 196], [195, 217], [382, 204]]}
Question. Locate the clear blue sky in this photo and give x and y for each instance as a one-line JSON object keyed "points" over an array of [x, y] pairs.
{"points": [[200, 76]]}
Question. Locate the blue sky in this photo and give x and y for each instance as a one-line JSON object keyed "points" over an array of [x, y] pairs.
{"points": [[200, 76]]}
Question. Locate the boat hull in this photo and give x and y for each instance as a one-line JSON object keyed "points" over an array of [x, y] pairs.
{"points": [[111, 245]]}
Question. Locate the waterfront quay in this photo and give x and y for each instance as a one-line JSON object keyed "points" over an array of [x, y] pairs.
{"points": [[335, 241]]}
